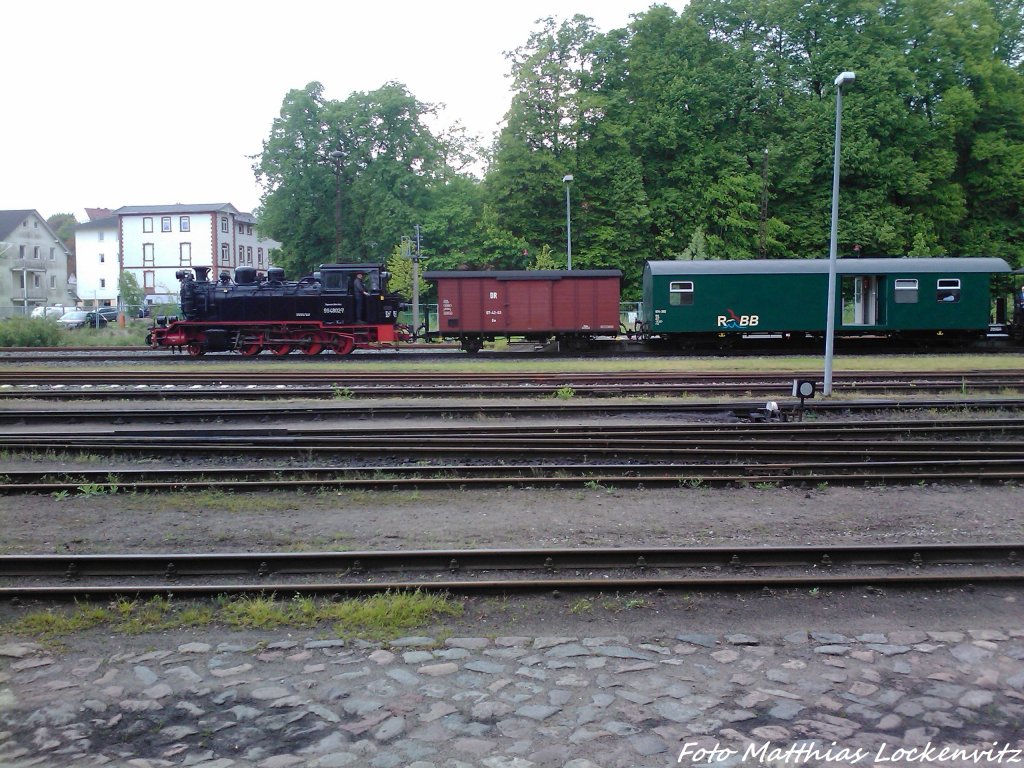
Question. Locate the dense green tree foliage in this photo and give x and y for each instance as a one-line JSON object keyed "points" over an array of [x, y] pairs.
{"points": [[701, 133], [346, 180]]}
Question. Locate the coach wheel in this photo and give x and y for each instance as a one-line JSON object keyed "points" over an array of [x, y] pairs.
{"points": [[311, 343], [343, 345], [195, 349], [281, 349]]}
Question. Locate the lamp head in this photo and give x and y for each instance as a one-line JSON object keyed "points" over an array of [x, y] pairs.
{"points": [[567, 178], [844, 78]]}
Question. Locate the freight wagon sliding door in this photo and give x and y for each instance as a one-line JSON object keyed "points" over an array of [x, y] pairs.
{"points": [[528, 305], [587, 304]]}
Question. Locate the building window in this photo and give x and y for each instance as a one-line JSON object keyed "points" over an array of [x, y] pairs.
{"points": [[225, 254], [947, 291], [102, 258], [53, 281], [101, 234], [248, 229], [680, 293], [103, 282], [21, 251], [53, 254], [149, 279], [165, 223], [184, 224], [147, 224], [241, 229], [906, 291], [148, 258], [185, 255], [35, 251], [241, 254], [259, 256], [36, 282], [248, 255], [223, 223]]}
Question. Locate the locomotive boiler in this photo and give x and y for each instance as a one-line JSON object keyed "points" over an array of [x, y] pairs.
{"points": [[340, 307]]}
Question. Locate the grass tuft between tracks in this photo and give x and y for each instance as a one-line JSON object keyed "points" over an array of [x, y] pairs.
{"points": [[375, 617]]}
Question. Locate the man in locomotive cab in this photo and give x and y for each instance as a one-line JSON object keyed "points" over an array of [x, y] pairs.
{"points": [[359, 294]]}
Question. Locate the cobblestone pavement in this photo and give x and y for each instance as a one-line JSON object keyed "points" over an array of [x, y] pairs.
{"points": [[814, 699]]}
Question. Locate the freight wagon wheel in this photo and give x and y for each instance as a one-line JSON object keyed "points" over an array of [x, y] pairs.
{"points": [[310, 343], [343, 345]]}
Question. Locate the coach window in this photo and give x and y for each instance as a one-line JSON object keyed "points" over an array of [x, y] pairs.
{"points": [[906, 291], [165, 223], [947, 291], [680, 294]]}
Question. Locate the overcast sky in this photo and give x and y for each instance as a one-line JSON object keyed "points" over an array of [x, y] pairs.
{"points": [[133, 102]]}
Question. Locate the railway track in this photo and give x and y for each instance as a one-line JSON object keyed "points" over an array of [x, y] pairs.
{"points": [[187, 384], [355, 410], [326, 456], [463, 571]]}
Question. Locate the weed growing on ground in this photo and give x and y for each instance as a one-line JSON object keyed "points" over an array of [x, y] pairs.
{"points": [[376, 617], [564, 393]]}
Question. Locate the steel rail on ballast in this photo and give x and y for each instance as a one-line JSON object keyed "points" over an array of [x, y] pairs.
{"points": [[548, 407], [633, 568], [551, 475]]}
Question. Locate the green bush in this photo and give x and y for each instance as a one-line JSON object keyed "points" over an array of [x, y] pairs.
{"points": [[29, 332]]}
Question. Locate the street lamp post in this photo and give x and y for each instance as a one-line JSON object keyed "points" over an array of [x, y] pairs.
{"points": [[567, 180], [830, 322], [336, 157]]}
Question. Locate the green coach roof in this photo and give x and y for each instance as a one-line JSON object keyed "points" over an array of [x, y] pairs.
{"points": [[817, 266]]}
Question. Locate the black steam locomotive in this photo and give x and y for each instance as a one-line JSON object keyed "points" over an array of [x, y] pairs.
{"points": [[340, 307]]}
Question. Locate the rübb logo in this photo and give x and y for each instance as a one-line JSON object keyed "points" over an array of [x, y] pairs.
{"points": [[732, 321]]}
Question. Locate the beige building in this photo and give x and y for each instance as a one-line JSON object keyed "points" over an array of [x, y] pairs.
{"points": [[33, 265]]}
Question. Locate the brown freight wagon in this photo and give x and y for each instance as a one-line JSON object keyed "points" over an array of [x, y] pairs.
{"points": [[534, 305]]}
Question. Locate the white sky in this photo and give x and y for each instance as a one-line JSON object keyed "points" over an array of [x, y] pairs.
{"points": [[135, 102]]}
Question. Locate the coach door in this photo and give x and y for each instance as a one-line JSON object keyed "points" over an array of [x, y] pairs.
{"points": [[861, 300]]}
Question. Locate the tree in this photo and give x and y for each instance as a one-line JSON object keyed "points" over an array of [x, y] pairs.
{"points": [[63, 225], [129, 291], [345, 180]]}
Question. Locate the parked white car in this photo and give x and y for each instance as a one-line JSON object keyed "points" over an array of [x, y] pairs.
{"points": [[55, 311]]}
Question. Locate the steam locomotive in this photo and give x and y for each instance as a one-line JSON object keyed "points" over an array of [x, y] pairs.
{"points": [[340, 307]]}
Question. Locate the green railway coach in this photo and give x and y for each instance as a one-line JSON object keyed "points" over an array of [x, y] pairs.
{"points": [[691, 302]]}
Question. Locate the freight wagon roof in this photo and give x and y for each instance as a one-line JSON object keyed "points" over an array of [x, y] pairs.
{"points": [[522, 274], [818, 266]]}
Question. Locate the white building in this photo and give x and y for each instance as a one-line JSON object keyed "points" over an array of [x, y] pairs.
{"points": [[33, 265], [158, 240], [97, 248]]}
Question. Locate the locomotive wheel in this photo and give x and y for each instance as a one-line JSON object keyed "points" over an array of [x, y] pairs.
{"points": [[281, 349], [195, 349], [311, 343], [343, 345], [251, 350]]}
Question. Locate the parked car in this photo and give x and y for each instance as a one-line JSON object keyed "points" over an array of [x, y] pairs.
{"points": [[81, 319], [58, 310], [109, 313]]}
